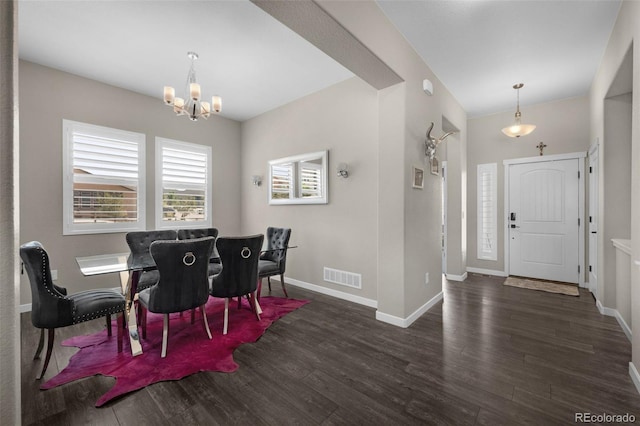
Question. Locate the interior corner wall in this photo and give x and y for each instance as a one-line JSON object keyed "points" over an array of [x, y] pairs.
{"points": [[561, 125], [615, 179], [625, 32], [342, 234], [48, 96]]}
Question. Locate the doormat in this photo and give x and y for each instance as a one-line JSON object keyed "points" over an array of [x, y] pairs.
{"points": [[548, 286]]}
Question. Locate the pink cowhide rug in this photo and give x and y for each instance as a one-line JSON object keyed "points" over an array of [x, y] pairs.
{"points": [[189, 350]]}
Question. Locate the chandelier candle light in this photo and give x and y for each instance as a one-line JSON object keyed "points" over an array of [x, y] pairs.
{"points": [[193, 107], [518, 129]]}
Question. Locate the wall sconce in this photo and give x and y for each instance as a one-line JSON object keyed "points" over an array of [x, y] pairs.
{"points": [[343, 170], [256, 180]]}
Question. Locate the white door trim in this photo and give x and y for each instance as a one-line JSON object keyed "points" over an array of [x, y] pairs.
{"points": [[581, 206]]}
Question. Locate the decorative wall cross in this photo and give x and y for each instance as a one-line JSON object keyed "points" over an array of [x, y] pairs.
{"points": [[541, 146]]}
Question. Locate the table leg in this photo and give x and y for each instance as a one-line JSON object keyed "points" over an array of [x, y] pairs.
{"points": [[129, 284]]}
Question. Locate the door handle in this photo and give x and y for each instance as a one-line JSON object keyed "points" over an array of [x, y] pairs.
{"points": [[514, 226], [594, 232]]}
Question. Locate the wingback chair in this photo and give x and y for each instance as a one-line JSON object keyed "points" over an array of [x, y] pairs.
{"points": [[183, 282], [239, 275], [273, 261], [52, 308]]}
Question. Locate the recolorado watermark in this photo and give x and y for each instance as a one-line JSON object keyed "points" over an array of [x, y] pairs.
{"points": [[604, 418]]}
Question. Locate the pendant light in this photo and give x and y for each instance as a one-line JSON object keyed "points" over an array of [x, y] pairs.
{"points": [[518, 129]]}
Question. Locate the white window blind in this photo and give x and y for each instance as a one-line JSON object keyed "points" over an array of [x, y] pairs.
{"points": [[103, 186], [183, 183], [310, 180], [282, 181], [487, 220]]}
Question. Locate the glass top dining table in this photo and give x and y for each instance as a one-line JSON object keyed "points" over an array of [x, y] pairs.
{"points": [[129, 276]]}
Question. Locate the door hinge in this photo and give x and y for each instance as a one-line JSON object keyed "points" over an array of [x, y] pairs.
{"points": [[578, 221], [578, 268], [590, 270], [578, 175], [590, 169], [590, 219]]}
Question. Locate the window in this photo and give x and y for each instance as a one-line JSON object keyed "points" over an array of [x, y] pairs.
{"points": [[310, 179], [282, 181], [183, 184], [487, 211], [103, 179]]}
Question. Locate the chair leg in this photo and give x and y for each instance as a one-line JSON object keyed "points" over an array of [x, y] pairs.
{"points": [[269, 282], [284, 290], [259, 287], [120, 322], [254, 305], [47, 358], [205, 322], [225, 327], [143, 321], [40, 344], [165, 334], [108, 317]]}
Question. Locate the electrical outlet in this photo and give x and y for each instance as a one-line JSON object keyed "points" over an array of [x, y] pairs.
{"points": [[426, 278], [54, 274]]}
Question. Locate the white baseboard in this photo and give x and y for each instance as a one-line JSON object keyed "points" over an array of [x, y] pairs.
{"points": [[25, 308], [452, 277], [331, 292], [487, 272], [623, 324], [635, 377], [604, 310], [406, 322]]}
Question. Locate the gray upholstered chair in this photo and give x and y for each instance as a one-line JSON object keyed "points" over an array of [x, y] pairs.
{"points": [[139, 243], [273, 261], [239, 275], [214, 263], [52, 307], [183, 283]]}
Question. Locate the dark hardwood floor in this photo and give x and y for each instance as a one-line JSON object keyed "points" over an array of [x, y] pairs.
{"points": [[489, 354]]}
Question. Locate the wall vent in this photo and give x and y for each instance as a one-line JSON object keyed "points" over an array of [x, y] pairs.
{"points": [[348, 279]]}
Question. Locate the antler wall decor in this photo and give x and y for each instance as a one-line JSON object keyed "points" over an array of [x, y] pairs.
{"points": [[431, 143]]}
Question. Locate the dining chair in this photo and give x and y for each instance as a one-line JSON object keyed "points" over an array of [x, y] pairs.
{"points": [[214, 262], [239, 275], [52, 307], [273, 260], [183, 282], [139, 243]]}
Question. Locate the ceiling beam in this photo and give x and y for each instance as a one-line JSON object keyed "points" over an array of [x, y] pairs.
{"points": [[315, 25]]}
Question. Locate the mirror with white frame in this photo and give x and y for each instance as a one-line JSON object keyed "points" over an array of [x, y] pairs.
{"points": [[299, 179]]}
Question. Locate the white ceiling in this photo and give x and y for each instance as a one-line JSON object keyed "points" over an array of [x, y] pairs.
{"points": [[480, 48], [477, 48]]}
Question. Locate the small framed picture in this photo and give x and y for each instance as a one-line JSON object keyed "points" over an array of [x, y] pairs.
{"points": [[418, 178], [435, 167]]}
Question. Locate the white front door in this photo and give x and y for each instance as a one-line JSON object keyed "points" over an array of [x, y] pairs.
{"points": [[543, 220], [593, 220]]}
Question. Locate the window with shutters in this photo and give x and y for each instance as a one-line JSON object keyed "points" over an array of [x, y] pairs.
{"points": [[282, 181], [487, 211], [183, 184], [310, 179], [103, 179]]}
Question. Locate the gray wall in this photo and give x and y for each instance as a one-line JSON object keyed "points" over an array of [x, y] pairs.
{"points": [[10, 393], [561, 125], [625, 31], [342, 234], [48, 96]]}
